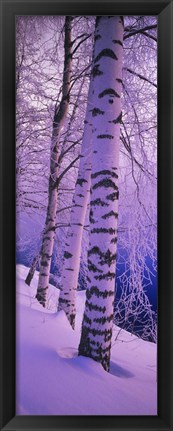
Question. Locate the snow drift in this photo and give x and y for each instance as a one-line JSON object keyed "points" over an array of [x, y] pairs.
{"points": [[51, 379]]}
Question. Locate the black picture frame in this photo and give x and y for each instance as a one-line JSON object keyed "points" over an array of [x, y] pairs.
{"points": [[164, 10]]}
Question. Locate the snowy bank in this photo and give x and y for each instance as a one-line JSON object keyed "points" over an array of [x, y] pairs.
{"points": [[51, 379]]}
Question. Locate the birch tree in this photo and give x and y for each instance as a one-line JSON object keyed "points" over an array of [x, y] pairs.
{"points": [[97, 323], [58, 123], [72, 251], [32, 269], [39, 83]]}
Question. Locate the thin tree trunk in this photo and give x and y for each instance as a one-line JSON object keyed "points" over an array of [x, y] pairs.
{"points": [[72, 251], [107, 74], [63, 152], [32, 269], [59, 118]]}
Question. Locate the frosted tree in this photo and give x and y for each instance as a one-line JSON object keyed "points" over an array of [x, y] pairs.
{"points": [[71, 262], [58, 123], [65, 149], [39, 82], [31, 136], [71, 79], [137, 228], [107, 75], [39, 88], [135, 31]]}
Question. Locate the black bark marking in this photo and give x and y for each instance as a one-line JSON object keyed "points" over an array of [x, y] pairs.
{"points": [[106, 183], [117, 120], [98, 18], [106, 52], [49, 219], [108, 337], [64, 301], [114, 240], [99, 352], [46, 238], [106, 258], [100, 294], [97, 37], [93, 268], [52, 229], [102, 320], [97, 111], [69, 269], [105, 136], [121, 21], [110, 230], [119, 80], [110, 214], [80, 181], [71, 318], [67, 255], [94, 343], [113, 196], [88, 279], [84, 346], [117, 42], [98, 202], [95, 332], [44, 264], [109, 92], [91, 219], [108, 276], [77, 224], [95, 307], [96, 71], [86, 349], [95, 250], [46, 255], [87, 319], [104, 172], [41, 295]]}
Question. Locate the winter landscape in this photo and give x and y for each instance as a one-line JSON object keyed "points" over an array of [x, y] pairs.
{"points": [[58, 381], [86, 205]]}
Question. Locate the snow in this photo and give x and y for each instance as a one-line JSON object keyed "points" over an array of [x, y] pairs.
{"points": [[51, 379]]}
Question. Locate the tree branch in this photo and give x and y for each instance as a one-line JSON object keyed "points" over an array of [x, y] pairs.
{"points": [[140, 76], [141, 30]]}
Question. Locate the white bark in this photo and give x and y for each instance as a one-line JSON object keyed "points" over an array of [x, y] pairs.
{"points": [[59, 118], [72, 251], [107, 74]]}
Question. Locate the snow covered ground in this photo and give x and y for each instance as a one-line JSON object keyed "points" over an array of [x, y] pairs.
{"points": [[51, 379]]}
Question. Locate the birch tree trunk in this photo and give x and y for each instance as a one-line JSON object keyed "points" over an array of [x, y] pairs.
{"points": [[59, 118], [32, 269], [107, 75], [72, 251]]}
